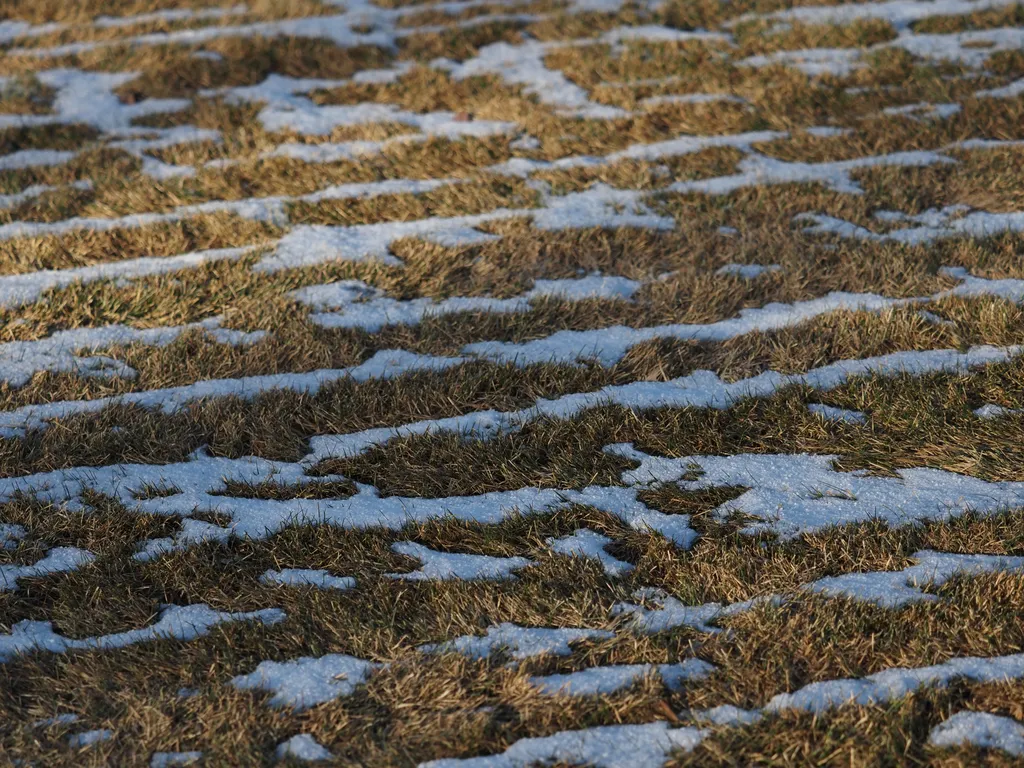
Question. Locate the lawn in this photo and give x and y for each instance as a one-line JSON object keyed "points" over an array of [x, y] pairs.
{"points": [[511, 383]]}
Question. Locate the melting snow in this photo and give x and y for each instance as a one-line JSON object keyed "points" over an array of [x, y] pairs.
{"points": [[590, 544], [167, 759], [303, 747], [57, 560], [896, 588], [611, 746], [305, 682], [831, 413], [308, 577], [606, 680], [444, 566], [519, 642], [980, 729], [175, 623], [88, 738]]}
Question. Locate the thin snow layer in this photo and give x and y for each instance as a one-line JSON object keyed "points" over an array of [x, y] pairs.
{"points": [[610, 746], [895, 588], [362, 23], [305, 682], [879, 688], [176, 622], [383, 365], [11, 30], [69, 350], [700, 389], [337, 28], [62, 719], [34, 191], [897, 682], [746, 271], [366, 308], [88, 97], [29, 158], [606, 680], [758, 170], [57, 560], [272, 208], [609, 345], [88, 738], [691, 98], [302, 747], [524, 65], [306, 577], [812, 61], [832, 413], [445, 566], [792, 494], [900, 13], [167, 759], [18, 290], [993, 411], [598, 206], [659, 150], [199, 484], [980, 729], [971, 48], [936, 225], [924, 110], [286, 107], [890, 589], [305, 117], [650, 745], [590, 544], [11, 534], [316, 117], [1011, 91], [666, 612], [518, 642]]}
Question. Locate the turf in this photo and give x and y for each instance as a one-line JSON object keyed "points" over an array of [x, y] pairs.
{"points": [[407, 354]]}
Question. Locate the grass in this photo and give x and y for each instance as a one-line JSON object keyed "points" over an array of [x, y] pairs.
{"points": [[417, 706]]}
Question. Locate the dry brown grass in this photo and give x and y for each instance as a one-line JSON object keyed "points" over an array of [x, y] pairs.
{"points": [[85, 246], [425, 706]]}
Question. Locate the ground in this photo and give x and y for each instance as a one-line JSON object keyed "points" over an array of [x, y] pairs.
{"points": [[499, 383]]}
